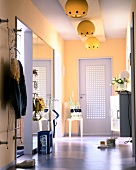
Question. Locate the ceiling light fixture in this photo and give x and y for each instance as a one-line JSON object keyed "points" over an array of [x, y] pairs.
{"points": [[76, 8], [86, 28], [92, 43]]}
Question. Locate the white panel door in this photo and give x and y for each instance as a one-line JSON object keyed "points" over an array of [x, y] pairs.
{"points": [[94, 95]]}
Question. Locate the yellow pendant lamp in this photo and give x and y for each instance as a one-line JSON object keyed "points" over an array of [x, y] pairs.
{"points": [[76, 8], [92, 43], [86, 28]]}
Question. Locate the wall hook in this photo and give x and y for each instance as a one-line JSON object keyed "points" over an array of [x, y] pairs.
{"points": [[3, 142], [3, 20]]}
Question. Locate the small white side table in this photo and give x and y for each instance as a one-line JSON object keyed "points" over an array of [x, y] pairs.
{"points": [[70, 120]]}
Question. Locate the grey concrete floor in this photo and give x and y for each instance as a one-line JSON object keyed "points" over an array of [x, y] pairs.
{"points": [[78, 153]]}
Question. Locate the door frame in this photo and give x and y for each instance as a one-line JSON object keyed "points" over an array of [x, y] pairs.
{"points": [[93, 58], [133, 82], [57, 93]]}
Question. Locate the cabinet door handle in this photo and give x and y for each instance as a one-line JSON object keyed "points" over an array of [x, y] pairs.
{"points": [[118, 115]]}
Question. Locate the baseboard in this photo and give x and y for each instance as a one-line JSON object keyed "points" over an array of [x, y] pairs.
{"points": [[8, 166], [72, 134]]}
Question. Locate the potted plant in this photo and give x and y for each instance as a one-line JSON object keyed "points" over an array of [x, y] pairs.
{"points": [[120, 82]]}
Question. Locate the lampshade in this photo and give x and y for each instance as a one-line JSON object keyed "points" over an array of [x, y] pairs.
{"points": [[76, 8], [92, 43], [124, 74], [86, 28]]}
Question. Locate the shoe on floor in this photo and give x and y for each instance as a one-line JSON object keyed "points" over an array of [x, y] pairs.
{"points": [[26, 164]]}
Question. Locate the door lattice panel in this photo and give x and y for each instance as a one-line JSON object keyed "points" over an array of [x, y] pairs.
{"points": [[95, 92]]}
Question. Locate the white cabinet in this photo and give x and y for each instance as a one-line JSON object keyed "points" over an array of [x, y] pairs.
{"points": [[114, 113]]}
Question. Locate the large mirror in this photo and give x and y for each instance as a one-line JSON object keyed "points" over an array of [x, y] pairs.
{"points": [[35, 55], [42, 84]]}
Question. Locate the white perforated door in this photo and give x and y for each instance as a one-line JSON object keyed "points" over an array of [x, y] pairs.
{"points": [[43, 78], [43, 86], [94, 95]]}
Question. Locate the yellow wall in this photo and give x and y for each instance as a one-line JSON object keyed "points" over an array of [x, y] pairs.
{"points": [[70, 51], [42, 51], [74, 50], [28, 14]]}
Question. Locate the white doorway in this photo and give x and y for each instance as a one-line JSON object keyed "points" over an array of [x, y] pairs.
{"points": [[94, 95], [57, 92]]}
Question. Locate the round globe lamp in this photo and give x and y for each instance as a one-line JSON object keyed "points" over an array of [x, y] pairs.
{"points": [[92, 43], [76, 8], [124, 74], [86, 28]]}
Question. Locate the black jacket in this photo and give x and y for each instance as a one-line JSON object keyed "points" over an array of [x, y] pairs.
{"points": [[18, 95]]}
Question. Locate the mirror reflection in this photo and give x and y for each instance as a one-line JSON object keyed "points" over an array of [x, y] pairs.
{"points": [[42, 85]]}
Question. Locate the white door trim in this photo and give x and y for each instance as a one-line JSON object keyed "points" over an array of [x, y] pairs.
{"points": [[108, 62]]}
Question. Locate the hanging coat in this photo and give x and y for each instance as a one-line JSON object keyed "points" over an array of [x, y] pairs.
{"points": [[23, 94], [18, 95]]}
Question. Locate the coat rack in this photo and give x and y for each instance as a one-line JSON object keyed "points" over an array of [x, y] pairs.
{"points": [[4, 142], [12, 45]]}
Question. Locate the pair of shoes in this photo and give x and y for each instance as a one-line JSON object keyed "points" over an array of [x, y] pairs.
{"points": [[26, 164]]}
